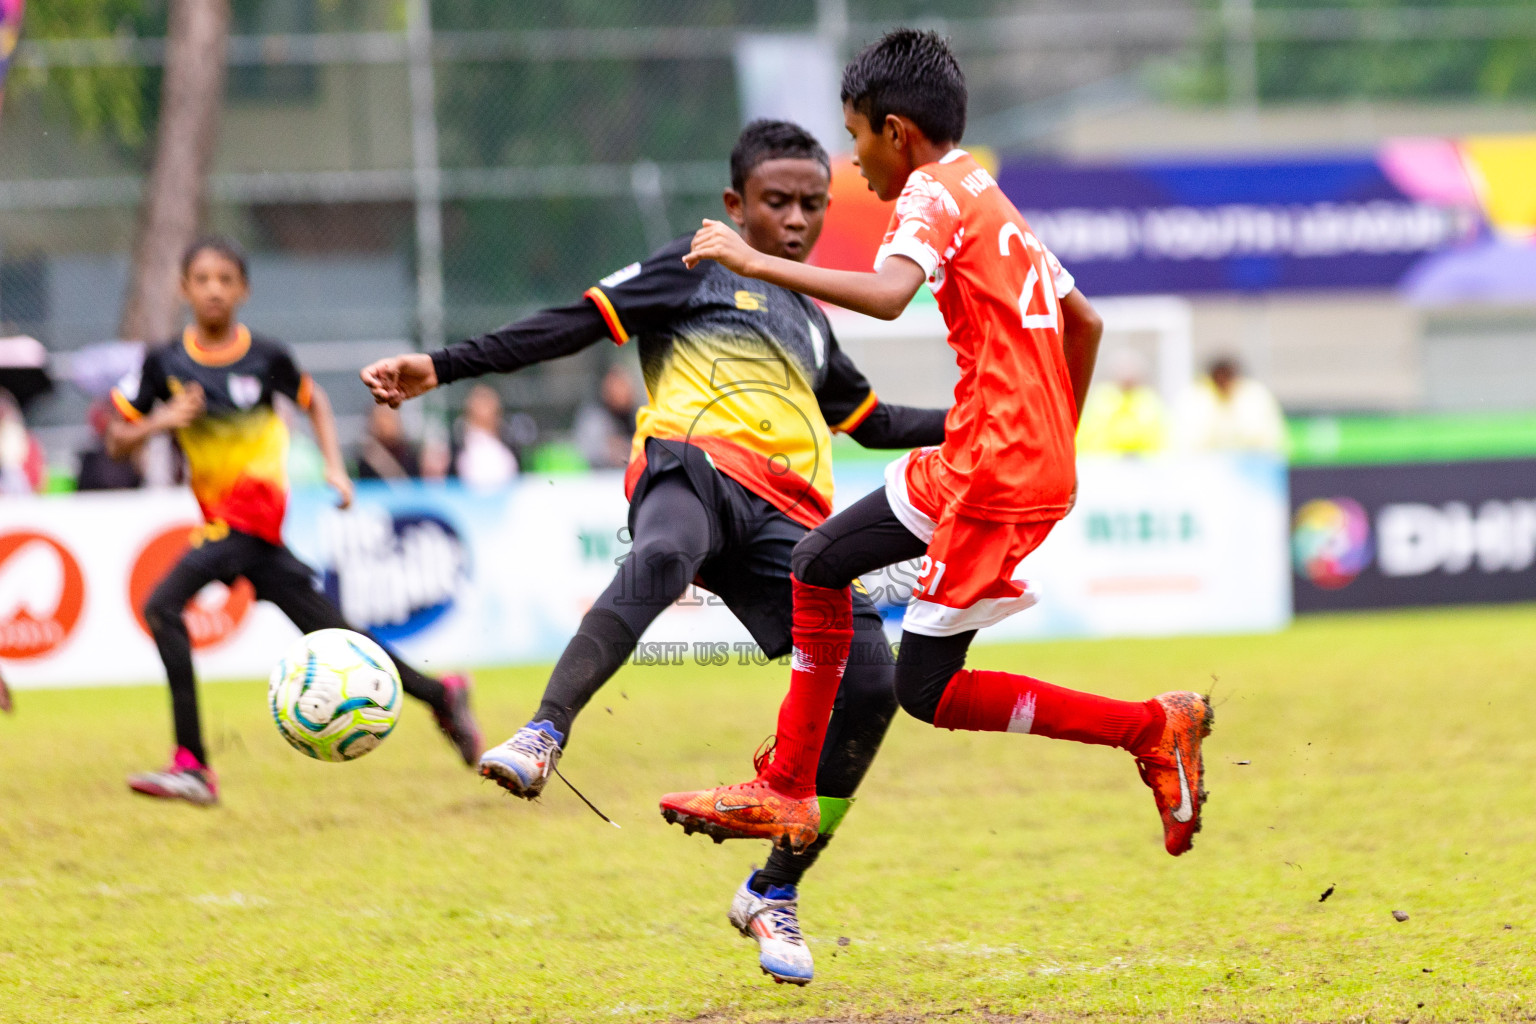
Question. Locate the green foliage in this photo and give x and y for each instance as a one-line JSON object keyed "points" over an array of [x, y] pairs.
{"points": [[1419, 69], [1387, 757], [117, 102]]}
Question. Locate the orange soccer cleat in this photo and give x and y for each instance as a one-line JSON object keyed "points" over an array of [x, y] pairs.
{"points": [[747, 810], [1175, 770]]}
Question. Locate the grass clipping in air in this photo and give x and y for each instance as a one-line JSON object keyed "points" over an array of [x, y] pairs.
{"points": [[1388, 757]]}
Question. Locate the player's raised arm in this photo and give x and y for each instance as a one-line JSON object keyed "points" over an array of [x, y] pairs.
{"points": [[882, 294], [550, 334]]}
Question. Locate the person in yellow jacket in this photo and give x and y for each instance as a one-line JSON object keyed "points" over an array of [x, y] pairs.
{"points": [[1123, 416]]}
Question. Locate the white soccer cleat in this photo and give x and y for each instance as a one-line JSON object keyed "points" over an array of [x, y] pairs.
{"points": [[773, 920], [525, 762]]}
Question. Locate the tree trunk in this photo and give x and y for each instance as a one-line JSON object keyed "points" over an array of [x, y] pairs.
{"points": [[192, 94]]}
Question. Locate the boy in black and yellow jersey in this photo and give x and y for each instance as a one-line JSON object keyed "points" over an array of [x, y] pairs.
{"points": [[214, 387], [730, 467]]}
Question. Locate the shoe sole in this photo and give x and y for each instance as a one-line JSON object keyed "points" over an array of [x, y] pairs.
{"points": [[800, 982], [508, 780], [160, 794], [720, 833]]}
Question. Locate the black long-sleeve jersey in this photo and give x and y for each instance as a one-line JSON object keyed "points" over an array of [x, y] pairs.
{"points": [[745, 370]]}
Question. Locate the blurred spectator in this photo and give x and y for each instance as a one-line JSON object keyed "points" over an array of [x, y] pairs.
{"points": [[436, 453], [520, 433], [1226, 411], [1123, 416], [22, 465], [484, 459], [98, 470], [606, 427], [384, 453]]}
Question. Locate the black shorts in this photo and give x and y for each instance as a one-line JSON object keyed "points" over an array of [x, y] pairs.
{"points": [[751, 573], [273, 570]]}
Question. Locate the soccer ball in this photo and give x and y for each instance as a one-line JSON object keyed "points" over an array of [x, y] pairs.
{"points": [[335, 695]]}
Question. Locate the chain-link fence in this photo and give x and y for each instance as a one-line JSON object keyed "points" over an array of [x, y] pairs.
{"points": [[543, 144], [557, 143]]}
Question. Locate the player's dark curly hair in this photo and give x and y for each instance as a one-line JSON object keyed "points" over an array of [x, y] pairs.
{"points": [[911, 74], [765, 140], [221, 244]]}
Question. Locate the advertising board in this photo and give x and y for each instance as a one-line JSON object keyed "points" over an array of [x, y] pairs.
{"points": [[1413, 534], [458, 578]]}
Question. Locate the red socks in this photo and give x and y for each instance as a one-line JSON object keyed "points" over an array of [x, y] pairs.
{"points": [[973, 700], [1003, 702], [822, 631]]}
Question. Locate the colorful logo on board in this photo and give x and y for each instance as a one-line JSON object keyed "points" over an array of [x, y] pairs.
{"points": [[1331, 541]]}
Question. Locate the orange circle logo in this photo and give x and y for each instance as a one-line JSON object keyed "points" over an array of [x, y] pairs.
{"points": [[27, 633], [212, 615]]}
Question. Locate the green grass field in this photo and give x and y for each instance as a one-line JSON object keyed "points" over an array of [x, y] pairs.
{"points": [[1390, 757]]}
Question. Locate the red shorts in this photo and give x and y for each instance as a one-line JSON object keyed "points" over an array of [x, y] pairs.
{"points": [[972, 575]]}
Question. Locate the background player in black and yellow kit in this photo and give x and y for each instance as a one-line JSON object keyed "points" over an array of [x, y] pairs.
{"points": [[214, 388], [731, 465]]}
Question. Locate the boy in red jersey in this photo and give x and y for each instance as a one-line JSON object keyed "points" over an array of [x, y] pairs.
{"points": [[973, 507]]}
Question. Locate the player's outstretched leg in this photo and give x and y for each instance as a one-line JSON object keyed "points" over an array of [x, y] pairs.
{"points": [[281, 578], [674, 534], [1164, 734], [523, 764]]}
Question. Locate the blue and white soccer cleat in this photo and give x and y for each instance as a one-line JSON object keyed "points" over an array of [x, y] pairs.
{"points": [[525, 762], [772, 919]]}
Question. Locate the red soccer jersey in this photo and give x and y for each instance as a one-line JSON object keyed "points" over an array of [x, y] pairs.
{"points": [[1008, 452]]}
